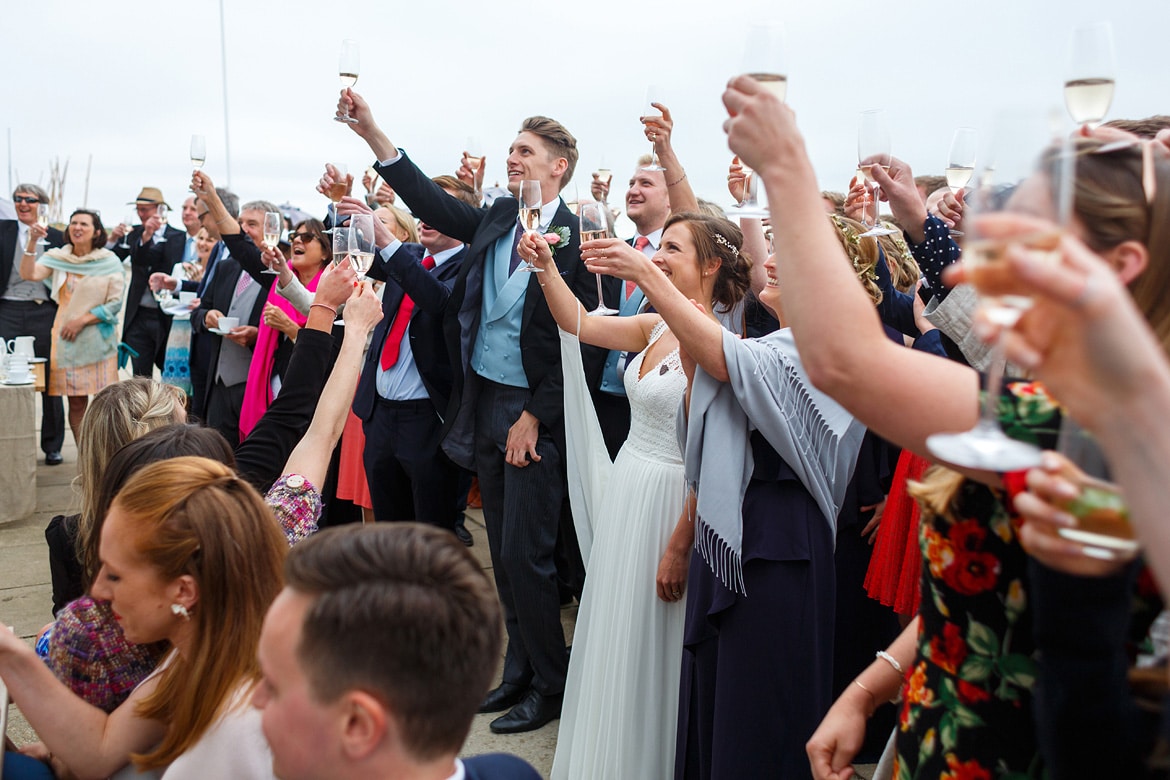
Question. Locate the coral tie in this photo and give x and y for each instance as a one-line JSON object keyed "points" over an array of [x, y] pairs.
{"points": [[393, 341], [640, 243]]}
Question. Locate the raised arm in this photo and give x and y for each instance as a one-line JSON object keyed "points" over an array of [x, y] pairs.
{"points": [[30, 270], [659, 130], [841, 342]]}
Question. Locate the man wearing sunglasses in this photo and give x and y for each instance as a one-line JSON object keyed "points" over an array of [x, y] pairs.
{"points": [[25, 307]]}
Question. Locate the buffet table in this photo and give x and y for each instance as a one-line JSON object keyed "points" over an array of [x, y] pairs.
{"points": [[18, 452]]}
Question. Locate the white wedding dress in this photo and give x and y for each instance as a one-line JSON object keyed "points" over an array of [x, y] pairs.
{"points": [[621, 696]]}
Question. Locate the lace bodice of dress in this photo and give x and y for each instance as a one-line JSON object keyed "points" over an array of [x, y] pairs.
{"points": [[654, 401]]}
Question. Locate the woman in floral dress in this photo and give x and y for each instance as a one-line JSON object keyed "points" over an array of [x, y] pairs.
{"points": [[967, 665]]}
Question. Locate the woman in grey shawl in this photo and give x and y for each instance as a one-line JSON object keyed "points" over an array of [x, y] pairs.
{"points": [[769, 457]]}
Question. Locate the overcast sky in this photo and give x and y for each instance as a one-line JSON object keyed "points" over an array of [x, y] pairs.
{"points": [[129, 82]]}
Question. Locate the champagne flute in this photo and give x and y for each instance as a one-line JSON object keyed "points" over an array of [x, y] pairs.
{"points": [[595, 225], [873, 148], [749, 206], [1100, 508], [603, 172], [651, 112], [474, 156], [361, 255], [162, 223], [764, 59], [1088, 87], [529, 216], [198, 151], [961, 161], [273, 222], [1018, 137], [337, 191], [43, 221], [127, 226], [343, 244], [348, 67]]}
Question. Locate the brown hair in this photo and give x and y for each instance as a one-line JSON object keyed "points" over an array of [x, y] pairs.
{"points": [[99, 231], [734, 277], [193, 516], [928, 184], [427, 617], [1143, 128], [458, 188], [118, 414], [863, 254], [558, 139], [1111, 203]]}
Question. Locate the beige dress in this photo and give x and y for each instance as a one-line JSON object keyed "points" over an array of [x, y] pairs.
{"points": [[89, 362]]}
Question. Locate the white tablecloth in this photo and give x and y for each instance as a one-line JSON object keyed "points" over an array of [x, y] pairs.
{"points": [[18, 452]]}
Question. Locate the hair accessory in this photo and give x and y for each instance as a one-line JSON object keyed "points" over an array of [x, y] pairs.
{"points": [[721, 239], [180, 611]]}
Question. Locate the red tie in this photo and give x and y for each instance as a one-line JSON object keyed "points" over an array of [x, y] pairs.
{"points": [[640, 243], [401, 320]]}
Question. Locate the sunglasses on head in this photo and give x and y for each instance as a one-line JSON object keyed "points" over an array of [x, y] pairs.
{"points": [[25, 199]]}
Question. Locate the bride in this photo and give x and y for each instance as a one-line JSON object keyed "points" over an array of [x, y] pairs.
{"points": [[621, 696]]}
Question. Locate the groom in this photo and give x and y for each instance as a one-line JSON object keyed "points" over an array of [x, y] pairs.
{"points": [[505, 416]]}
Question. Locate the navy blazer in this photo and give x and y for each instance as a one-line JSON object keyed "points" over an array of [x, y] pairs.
{"points": [[8, 231], [498, 766], [218, 296], [540, 347], [430, 291], [146, 260]]}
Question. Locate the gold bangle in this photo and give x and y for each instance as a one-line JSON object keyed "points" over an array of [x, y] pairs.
{"points": [[872, 698], [323, 306]]}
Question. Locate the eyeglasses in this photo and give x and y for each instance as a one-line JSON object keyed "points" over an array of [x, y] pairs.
{"points": [[25, 199], [201, 216]]}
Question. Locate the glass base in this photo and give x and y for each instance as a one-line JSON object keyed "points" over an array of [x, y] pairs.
{"points": [[984, 447], [602, 311], [751, 211], [877, 231], [270, 272], [652, 167], [1118, 547], [532, 269], [349, 120]]}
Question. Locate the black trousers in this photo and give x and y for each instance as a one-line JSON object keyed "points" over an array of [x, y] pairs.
{"points": [[522, 508], [410, 477], [223, 410], [145, 335], [29, 318]]}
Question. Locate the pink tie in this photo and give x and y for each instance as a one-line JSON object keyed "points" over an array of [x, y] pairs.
{"points": [[393, 341], [640, 243]]}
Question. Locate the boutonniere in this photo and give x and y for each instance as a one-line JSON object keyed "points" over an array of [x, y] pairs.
{"points": [[557, 236]]}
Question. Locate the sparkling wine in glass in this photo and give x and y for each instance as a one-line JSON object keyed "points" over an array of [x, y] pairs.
{"points": [[198, 151], [341, 243], [348, 67], [595, 225], [961, 161], [43, 221], [162, 219], [1088, 86], [361, 255], [273, 223], [529, 216], [474, 155], [127, 226], [1018, 140], [873, 148], [764, 57], [337, 191], [652, 111]]}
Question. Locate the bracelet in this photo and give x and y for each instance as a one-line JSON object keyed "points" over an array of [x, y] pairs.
{"points": [[677, 181], [882, 654], [30, 254], [225, 219], [872, 698], [323, 306]]}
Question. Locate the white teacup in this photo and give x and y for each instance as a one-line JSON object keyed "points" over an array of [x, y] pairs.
{"points": [[229, 323], [186, 298]]}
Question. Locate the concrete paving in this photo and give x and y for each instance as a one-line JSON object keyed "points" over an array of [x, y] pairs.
{"points": [[26, 605]]}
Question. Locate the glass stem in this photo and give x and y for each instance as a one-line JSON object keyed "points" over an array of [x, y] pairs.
{"points": [[989, 410], [600, 294]]}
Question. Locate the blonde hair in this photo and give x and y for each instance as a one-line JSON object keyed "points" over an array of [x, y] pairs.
{"points": [[117, 415], [404, 221], [194, 517], [862, 253]]}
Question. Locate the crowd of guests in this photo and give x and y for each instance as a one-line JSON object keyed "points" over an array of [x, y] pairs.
{"points": [[731, 475]]}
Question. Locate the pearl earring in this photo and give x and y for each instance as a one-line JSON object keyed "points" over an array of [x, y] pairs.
{"points": [[180, 611]]}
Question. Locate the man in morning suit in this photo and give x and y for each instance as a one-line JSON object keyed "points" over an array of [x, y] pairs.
{"points": [[398, 704], [405, 387], [26, 308], [154, 247], [505, 419]]}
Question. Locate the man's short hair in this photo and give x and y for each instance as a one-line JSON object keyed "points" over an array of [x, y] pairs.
{"points": [[459, 188], [404, 612], [230, 200], [929, 184], [1143, 128], [559, 140], [35, 189], [259, 205]]}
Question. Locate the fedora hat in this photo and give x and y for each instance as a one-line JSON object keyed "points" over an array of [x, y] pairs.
{"points": [[151, 195]]}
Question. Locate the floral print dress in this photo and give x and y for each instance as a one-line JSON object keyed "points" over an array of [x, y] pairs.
{"points": [[966, 711]]}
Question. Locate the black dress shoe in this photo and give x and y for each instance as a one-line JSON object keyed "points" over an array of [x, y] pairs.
{"points": [[530, 714], [463, 535], [504, 697], [53, 459]]}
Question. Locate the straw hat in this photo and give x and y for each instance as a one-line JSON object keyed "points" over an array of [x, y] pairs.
{"points": [[150, 195]]}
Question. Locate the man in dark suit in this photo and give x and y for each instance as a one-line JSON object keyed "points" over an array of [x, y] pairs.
{"points": [[505, 419], [405, 386], [239, 288], [26, 308], [154, 247], [399, 702]]}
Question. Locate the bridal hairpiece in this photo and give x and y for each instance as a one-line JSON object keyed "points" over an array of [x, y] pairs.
{"points": [[720, 239]]}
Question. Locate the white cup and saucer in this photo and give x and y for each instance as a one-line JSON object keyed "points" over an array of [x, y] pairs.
{"points": [[226, 325]]}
